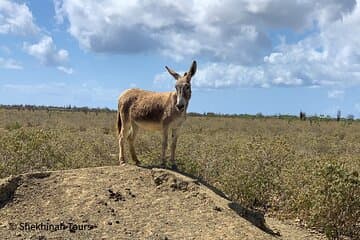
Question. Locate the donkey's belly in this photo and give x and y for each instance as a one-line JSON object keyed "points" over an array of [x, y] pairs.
{"points": [[149, 125]]}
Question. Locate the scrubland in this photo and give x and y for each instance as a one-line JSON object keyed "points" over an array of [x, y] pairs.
{"points": [[299, 170]]}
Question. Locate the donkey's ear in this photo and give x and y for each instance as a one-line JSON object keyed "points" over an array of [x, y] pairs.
{"points": [[173, 73], [192, 70]]}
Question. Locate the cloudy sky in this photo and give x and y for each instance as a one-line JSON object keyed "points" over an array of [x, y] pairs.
{"points": [[269, 56]]}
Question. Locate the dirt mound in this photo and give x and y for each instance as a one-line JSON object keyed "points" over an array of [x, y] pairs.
{"points": [[127, 202]]}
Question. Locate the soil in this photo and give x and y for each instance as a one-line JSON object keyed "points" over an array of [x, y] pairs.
{"points": [[128, 202]]}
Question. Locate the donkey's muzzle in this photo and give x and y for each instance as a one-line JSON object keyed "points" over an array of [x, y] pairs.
{"points": [[180, 107]]}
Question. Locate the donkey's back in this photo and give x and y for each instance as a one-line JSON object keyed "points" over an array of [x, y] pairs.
{"points": [[155, 111], [145, 108]]}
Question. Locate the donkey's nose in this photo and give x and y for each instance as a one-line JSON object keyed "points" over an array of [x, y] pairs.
{"points": [[180, 107]]}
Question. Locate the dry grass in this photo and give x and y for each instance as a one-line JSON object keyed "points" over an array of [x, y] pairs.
{"points": [[289, 168]]}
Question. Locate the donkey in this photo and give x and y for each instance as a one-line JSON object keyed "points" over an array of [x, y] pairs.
{"points": [[163, 112]]}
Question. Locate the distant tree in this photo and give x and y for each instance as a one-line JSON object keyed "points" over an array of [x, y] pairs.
{"points": [[302, 115], [194, 114], [338, 115], [259, 115], [210, 114]]}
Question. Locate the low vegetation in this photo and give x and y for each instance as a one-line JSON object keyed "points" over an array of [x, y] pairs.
{"points": [[302, 170]]}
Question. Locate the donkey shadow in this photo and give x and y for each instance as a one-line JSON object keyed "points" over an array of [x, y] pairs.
{"points": [[255, 217]]}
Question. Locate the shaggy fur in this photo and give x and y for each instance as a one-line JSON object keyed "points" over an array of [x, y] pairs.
{"points": [[154, 111]]}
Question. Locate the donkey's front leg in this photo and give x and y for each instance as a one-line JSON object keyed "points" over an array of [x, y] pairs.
{"points": [[174, 137], [164, 145]]}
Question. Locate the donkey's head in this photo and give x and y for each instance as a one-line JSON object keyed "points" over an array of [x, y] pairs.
{"points": [[183, 86]]}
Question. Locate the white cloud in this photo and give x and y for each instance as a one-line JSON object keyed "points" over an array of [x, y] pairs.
{"points": [[337, 94], [233, 38], [217, 75], [221, 75], [46, 52], [329, 57], [65, 69], [61, 93], [163, 80], [59, 13], [229, 30], [10, 64], [16, 19]]}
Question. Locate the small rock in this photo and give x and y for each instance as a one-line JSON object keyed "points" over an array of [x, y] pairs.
{"points": [[216, 208], [130, 193]]}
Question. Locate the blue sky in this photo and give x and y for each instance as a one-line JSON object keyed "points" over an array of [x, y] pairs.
{"points": [[269, 56]]}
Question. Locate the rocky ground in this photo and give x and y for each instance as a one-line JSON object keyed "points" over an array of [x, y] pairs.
{"points": [[127, 202]]}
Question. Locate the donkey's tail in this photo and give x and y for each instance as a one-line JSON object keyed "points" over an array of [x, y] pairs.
{"points": [[118, 125]]}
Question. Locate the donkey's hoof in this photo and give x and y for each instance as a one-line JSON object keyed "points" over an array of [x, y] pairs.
{"points": [[122, 162], [174, 167]]}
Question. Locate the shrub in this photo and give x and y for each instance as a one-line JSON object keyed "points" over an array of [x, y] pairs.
{"points": [[33, 149], [13, 126], [336, 207], [24, 150], [254, 178]]}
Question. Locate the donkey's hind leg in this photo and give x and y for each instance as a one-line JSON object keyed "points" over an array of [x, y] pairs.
{"points": [[124, 131], [121, 146], [131, 138]]}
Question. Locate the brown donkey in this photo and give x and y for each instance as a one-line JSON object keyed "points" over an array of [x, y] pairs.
{"points": [[154, 111]]}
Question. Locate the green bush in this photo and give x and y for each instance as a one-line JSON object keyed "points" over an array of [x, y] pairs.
{"points": [[24, 150], [336, 207], [13, 126], [33, 149], [254, 177]]}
